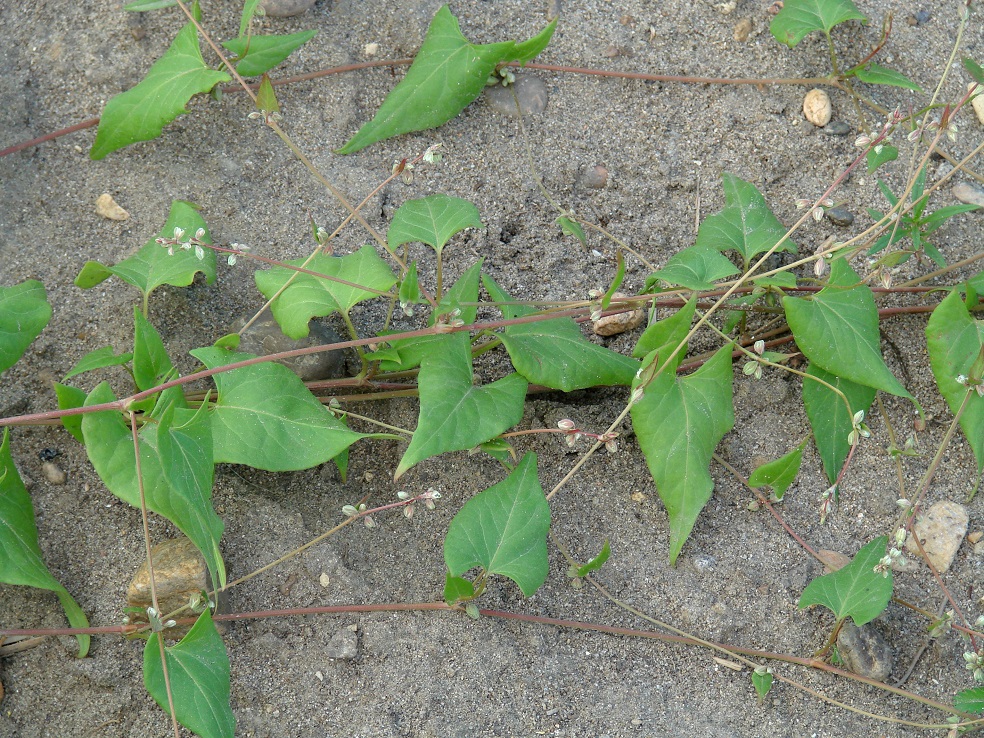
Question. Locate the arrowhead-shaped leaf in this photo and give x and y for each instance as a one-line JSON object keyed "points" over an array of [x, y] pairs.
{"points": [[857, 590], [309, 296], [447, 74], [799, 18], [876, 74], [20, 555], [463, 297], [152, 266], [555, 354], [431, 220], [830, 419], [779, 474], [745, 225], [455, 415], [24, 312], [697, 267], [140, 113], [199, 673], [955, 339], [266, 418], [503, 530], [175, 460], [838, 330], [259, 54], [679, 423]]}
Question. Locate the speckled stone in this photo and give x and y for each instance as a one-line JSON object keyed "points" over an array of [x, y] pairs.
{"points": [[941, 529], [865, 651]]}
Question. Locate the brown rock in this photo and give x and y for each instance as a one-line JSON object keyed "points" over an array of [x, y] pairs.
{"points": [[865, 651], [106, 207], [743, 30], [180, 574], [609, 325]]}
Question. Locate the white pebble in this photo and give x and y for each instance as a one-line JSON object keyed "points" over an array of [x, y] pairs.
{"points": [[106, 207], [817, 108]]}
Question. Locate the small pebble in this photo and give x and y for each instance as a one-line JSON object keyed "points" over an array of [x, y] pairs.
{"points": [[969, 192], [816, 107], [941, 529], [865, 651], [922, 16], [53, 473], [609, 325], [840, 216], [727, 7], [975, 537], [977, 102], [836, 128], [344, 645], [833, 560], [371, 49], [594, 177], [286, 8], [179, 574], [531, 92], [106, 207], [742, 30], [264, 337]]}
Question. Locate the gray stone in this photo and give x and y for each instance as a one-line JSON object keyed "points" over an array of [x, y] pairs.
{"points": [[941, 529], [264, 337], [840, 216], [865, 651], [593, 177], [531, 92], [836, 128], [344, 645], [286, 8]]}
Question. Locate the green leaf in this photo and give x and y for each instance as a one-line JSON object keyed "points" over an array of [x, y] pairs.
{"points": [[881, 154], [696, 268], [266, 418], [463, 296], [151, 266], [779, 474], [838, 330], [457, 589], [151, 364], [249, 10], [784, 280], [974, 70], [970, 700], [21, 562], [799, 18], [24, 312], [70, 398], [410, 287], [955, 341], [447, 74], [98, 359], [665, 335], [572, 228], [679, 423], [857, 590], [527, 51], [503, 529], [762, 681], [876, 74], [140, 113], [830, 420], [597, 562], [456, 415], [309, 296], [199, 673], [431, 220], [266, 97], [259, 54], [142, 6], [745, 225], [555, 354], [176, 464], [935, 219]]}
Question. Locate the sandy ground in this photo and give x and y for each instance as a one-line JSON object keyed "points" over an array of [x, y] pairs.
{"points": [[739, 577]]}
